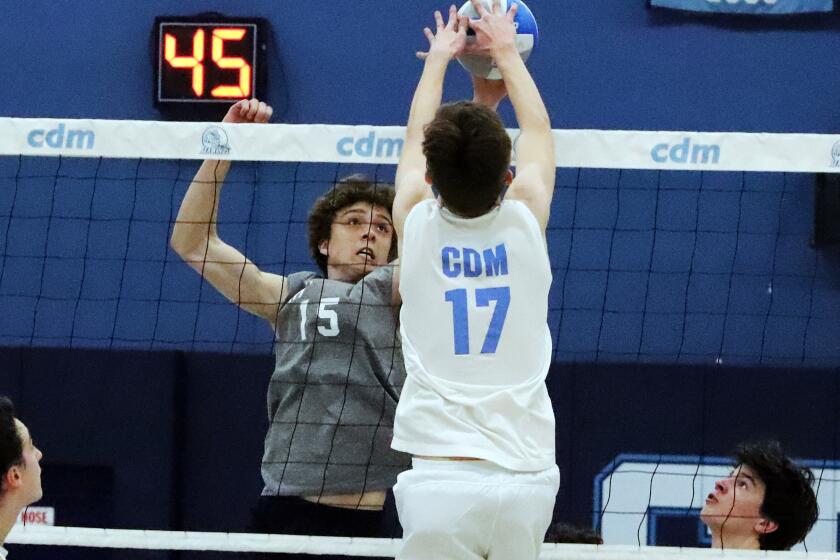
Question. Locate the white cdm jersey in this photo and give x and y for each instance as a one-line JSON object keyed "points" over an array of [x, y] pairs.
{"points": [[475, 340]]}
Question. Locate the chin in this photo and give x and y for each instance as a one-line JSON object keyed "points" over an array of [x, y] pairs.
{"points": [[36, 497]]}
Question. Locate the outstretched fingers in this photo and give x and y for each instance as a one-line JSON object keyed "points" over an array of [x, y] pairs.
{"points": [[511, 15], [439, 21], [463, 24], [479, 8], [452, 22]]}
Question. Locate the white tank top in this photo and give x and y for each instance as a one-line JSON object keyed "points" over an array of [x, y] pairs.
{"points": [[475, 338]]}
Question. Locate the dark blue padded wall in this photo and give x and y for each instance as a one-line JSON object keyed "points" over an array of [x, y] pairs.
{"points": [[611, 64]]}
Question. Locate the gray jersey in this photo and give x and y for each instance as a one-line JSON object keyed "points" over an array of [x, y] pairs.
{"points": [[331, 401]]}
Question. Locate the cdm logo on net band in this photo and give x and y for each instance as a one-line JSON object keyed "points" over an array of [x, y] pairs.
{"points": [[372, 145], [61, 137], [687, 151]]}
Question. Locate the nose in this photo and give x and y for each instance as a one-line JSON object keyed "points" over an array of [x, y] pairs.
{"points": [[38, 454], [369, 233], [721, 486]]}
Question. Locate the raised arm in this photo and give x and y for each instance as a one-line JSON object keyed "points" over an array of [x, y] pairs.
{"points": [[535, 159], [445, 44], [488, 92], [196, 240]]}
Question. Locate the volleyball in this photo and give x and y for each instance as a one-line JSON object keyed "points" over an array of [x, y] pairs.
{"points": [[527, 36]]}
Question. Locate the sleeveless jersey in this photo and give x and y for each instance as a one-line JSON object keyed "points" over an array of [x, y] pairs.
{"points": [[332, 397], [475, 337]]}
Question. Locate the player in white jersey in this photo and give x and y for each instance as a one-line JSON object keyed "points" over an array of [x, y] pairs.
{"points": [[475, 276], [20, 471]]}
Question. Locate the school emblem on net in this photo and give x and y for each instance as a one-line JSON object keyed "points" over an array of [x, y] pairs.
{"points": [[214, 141]]}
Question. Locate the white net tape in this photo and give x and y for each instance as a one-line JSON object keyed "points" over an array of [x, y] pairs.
{"points": [[697, 151], [383, 548]]}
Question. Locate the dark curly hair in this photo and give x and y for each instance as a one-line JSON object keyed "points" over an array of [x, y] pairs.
{"points": [[565, 533], [789, 498], [467, 154], [347, 192], [11, 447]]}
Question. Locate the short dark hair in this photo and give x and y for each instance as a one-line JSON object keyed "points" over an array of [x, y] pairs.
{"points": [[11, 446], [467, 154], [347, 192], [569, 534], [789, 498]]}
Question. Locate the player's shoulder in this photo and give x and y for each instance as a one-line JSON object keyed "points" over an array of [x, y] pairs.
{"points": [[424, 207], [519, 209], [297, 282]]}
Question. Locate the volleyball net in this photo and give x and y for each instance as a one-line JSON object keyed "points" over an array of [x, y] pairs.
{"points": [[667, 247], [706, 250]]}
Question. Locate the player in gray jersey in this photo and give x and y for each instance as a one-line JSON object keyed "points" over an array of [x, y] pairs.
{"points": [[20, 471], [327, 463]]}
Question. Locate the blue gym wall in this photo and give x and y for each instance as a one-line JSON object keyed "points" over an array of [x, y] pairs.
{"points": [[606, 64]]}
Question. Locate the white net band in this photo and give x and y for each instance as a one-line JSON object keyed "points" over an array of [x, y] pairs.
{"points": [[317, 546], [698, 151]]}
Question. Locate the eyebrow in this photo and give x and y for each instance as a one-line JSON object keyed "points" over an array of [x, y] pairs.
{"points": [[366, 213], [736, 474]]}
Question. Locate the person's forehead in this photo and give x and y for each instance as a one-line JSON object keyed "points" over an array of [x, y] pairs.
{"points": [[747, 472], [365, 208], [23, 431]]}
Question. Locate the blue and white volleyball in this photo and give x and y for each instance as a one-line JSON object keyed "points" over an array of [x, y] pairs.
{"points": [[527, 36]]}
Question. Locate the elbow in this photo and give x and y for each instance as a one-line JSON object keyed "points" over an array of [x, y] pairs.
{"points": [[178, 241], [186, 245], [543, 121]]}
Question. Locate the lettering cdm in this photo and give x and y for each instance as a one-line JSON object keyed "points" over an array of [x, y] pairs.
{"points": [[61, 137], [686, 152], [370, 146]]}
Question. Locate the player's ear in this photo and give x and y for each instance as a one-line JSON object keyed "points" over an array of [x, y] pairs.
{"points": [[11, 478], [764, 526], [324, 247], [508, 177], [428, 178]]}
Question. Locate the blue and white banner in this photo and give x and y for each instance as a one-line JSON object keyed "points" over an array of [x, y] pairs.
{"points": [[326, 143], [757, 7]]}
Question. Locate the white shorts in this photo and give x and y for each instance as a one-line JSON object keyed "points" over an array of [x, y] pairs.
{"points": [[464, 510]]}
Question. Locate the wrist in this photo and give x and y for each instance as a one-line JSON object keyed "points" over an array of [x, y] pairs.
{"points": [[506, 56], [491, 103], [438, 58]]}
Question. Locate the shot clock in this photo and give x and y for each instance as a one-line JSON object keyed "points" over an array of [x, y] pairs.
{"points": [[203, 64]]}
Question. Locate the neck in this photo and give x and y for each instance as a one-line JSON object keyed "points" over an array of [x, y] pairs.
{"points": [[340, 274], [734, 542], [8, 517]]}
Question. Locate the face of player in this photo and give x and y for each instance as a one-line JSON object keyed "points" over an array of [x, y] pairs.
{"points": [[735, 504], [360, 241], [29, 481]]}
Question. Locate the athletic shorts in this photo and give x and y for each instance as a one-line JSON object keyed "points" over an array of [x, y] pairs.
{"points": [[470, 510]]}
